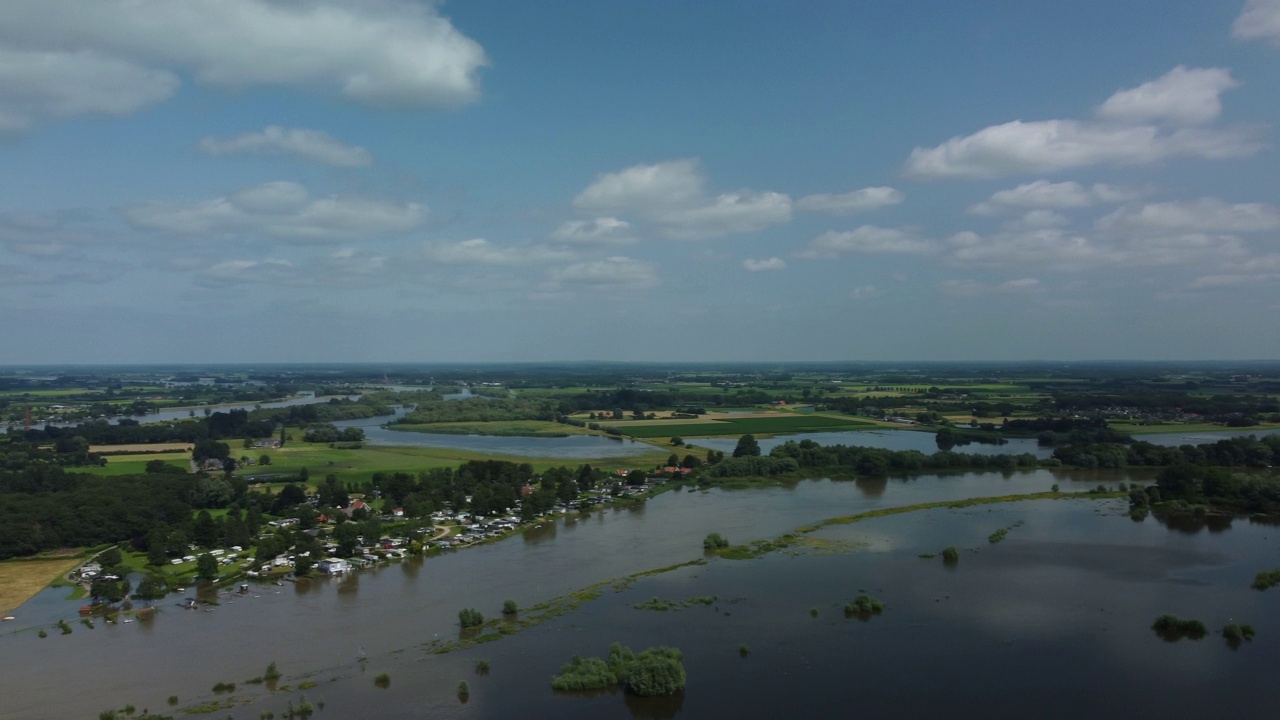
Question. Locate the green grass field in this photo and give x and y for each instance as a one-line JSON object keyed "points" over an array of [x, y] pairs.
{"points": [[358, 465], [136, 464], [743, 426], [1137, 429]]}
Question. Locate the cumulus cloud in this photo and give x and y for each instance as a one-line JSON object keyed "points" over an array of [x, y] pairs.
{"points": [[281, 210], [1157, 121], [478, 251], [672, 194], [1207, 215], [773, 263], [310, 145], [613, 272], [597, 231], [973, 288], [1046, 195], [43, 84], [849, 203], [1181, 96], [866, 239], [645, 187], [1051, 145], [1258, 19], [127, 53]]}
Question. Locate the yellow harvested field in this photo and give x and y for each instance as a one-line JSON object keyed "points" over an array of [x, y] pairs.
{"points": [[20, 580], [141, 448]]}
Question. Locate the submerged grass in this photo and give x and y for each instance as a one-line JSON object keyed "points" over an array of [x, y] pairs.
{"points": [[762, 547], [538, 614]]}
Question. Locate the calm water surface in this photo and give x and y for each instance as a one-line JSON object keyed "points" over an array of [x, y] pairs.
{"points": [[1016, 629]]}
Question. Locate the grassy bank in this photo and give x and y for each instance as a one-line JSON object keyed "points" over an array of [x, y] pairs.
{"points": [[511, 428], [740, 426]]}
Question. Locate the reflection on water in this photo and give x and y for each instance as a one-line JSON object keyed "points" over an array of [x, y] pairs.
{"points": [[1190, 523]]}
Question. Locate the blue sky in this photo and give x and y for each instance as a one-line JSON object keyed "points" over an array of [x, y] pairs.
{"points": [[390, 180]]}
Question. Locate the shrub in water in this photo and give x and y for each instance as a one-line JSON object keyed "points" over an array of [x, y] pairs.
{"points": [[864, 606], [1173, 628], [470, 617], [714, 541]]}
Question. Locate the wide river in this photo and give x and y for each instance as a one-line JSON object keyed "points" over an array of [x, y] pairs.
{"points": [[1052, 622]]}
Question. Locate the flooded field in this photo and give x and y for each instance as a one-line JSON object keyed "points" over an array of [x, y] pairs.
{"points": [[1017, 628]]}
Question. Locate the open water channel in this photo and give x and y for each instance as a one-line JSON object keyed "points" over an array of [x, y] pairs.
{"points": [[1051, 622]]}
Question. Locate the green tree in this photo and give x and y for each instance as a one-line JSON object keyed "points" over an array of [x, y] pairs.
{"points": [[206, 567], [151, 588], [747, 447]]}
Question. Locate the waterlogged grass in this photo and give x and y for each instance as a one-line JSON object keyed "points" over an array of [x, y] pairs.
{"points": [[661, 605], [998, 535], [742, 426], [761, 547], [530, 617]]}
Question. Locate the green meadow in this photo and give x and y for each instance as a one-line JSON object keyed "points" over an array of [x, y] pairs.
{"points": [[743, 426]]}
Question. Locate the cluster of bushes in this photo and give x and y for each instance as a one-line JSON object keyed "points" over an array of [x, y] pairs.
{"points": [[864, 606], [470, 617], [714, 541], [329, 434], [655, 671], [1266, 579], [1173, 628]]}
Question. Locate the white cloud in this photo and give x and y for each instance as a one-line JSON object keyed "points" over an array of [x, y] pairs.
{"points": [[380, 52], [1043, 194], [614, 272], [865, 292], [310, 145], [773, 263], [672, 195], [598, 231], [349, 263], [849, 203], [866, 239], [478, 251], [728, 213], [1204, 215], [280, 210], [1182, 96], [1258, 19], [1132, 130], [1039, 219], [645, 187], [1059, 249], [1051, 145], [230, 272], [42, 84], [973, 288]]}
